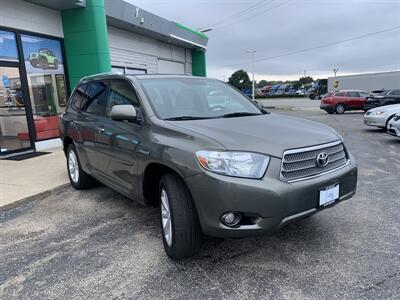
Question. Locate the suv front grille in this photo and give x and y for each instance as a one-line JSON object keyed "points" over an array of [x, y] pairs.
{"points": [[298, 164]]}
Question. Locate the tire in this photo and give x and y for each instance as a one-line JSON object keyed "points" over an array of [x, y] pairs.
{"points": [[180, 228], [340, 108], [43, 63], [78, 178], [312, 96]]}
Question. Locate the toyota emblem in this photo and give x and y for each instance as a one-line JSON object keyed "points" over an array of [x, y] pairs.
{"points": [[322, 159]]}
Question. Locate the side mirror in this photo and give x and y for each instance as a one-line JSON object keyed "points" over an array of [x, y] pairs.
{"points": [[123, 112]]}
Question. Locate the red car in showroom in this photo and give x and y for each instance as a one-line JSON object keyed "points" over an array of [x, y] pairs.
{"points": [[340, 101]]}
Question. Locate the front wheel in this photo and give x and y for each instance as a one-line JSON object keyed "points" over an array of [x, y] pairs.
{"points": [[180, 227], [79, 179]]}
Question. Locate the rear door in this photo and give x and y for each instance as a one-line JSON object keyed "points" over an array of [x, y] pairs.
{"points": [[119, 140], [82, 129], [92, 112]]}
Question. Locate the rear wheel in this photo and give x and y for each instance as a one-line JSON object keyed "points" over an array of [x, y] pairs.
{"points": [[79, 179], [340, 109], [180, 227]]}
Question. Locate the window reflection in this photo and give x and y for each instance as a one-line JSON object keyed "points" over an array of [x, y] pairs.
{"points": [[46, 80]]}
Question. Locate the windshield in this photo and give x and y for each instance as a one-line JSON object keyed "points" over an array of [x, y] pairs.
{"points": [[190, 98]]}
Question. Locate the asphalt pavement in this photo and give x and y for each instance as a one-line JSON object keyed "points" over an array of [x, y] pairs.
{"points": [[97, 244]]}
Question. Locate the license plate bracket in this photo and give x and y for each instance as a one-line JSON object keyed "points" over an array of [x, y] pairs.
{"points": [[329, 195]]}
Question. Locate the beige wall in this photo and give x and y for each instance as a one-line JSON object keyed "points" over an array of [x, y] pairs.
{"points": [[27, 16]]}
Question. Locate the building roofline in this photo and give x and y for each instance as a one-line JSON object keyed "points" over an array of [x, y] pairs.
{"points": [[126, 16]]}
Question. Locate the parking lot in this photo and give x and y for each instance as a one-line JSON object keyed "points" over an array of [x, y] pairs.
{"points": [[97, 244]]}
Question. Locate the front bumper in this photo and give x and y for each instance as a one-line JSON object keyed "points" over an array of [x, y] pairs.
{"points": [[368, 105], [269, 203], [377, 121], [326, 107]]}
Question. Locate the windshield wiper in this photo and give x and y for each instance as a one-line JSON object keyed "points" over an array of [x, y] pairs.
{"points": [[239, 114], [184, 118]]}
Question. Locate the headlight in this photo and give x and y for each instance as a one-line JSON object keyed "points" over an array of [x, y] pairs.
{"points": [[237, 164], [377, 113]]}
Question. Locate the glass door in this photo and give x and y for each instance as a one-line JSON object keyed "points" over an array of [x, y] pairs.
{"points": [[14, 132]]}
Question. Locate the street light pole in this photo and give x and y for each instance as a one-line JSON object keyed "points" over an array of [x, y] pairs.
{"points": [[335, 71], [252, 66]]}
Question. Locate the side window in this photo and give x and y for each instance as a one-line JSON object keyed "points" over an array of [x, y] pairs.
{"points": [[353, 94], [122, 92], [364, 95], [96, 102], [395, 93], [340, 94], [78, 97]]}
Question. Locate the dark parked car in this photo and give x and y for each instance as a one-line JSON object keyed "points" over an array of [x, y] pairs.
{"points": [[214, 161], [341, 101], [386, 97], [319, 88]]}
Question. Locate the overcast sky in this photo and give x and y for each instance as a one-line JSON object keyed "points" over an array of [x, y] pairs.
{"points": [[276, 27]]}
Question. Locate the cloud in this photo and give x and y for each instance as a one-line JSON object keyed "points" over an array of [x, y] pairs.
{"points": [[294, 25]]}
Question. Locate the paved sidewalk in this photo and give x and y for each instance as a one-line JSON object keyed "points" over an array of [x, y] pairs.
{"points": [[22, 181]]}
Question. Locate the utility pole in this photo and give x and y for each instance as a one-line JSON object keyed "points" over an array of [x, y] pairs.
{"points": [[305, 73], [335, 71], [253, 52]]}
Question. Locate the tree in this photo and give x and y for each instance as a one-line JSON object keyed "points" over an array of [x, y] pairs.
{"points": [[305, 80], [240, 80], [262, 83]]}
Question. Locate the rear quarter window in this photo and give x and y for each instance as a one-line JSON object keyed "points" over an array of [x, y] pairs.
{"points": [[78, 97]]}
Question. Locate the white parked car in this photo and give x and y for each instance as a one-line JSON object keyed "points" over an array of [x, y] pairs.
{"points": [[393, 126], [380, 116]]}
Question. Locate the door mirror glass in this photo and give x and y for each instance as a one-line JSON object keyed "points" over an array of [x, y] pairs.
{"points": [[123, 112]]}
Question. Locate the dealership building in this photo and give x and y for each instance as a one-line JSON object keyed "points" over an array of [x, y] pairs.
{"points": [[47, 46]]}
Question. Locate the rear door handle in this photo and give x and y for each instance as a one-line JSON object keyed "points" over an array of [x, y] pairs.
{"points": [[100, 129]]}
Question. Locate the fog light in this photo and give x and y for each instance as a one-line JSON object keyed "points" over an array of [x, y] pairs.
{"points": [[231, 219]]}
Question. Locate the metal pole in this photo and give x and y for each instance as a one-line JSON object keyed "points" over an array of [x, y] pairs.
{"points": [[252, 59]]}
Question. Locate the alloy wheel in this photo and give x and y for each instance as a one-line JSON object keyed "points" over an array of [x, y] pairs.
{"points": [[73, 166], [166, 217]]}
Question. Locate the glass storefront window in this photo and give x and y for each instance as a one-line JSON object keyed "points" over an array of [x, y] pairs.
{"points": [[8, 46], [46, 79], [14, 133]]}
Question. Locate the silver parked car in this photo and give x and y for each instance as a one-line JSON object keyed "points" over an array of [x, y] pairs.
{"points": [[380, 116], [393, 126]]}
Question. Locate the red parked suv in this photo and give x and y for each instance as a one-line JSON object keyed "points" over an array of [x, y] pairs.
{"points": [[341, 101]]}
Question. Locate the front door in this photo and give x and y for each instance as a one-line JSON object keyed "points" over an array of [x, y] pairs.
{"points": [[14, 131], [118, 141]]}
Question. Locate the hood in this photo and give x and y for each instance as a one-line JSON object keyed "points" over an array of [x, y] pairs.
{"points": [[386, 108], [271, 133]]}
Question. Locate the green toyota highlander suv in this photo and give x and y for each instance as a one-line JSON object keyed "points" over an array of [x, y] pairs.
{"points": [[216, 163]]}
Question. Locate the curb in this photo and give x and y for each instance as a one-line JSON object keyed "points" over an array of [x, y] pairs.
{"points": [[38, 196]]}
